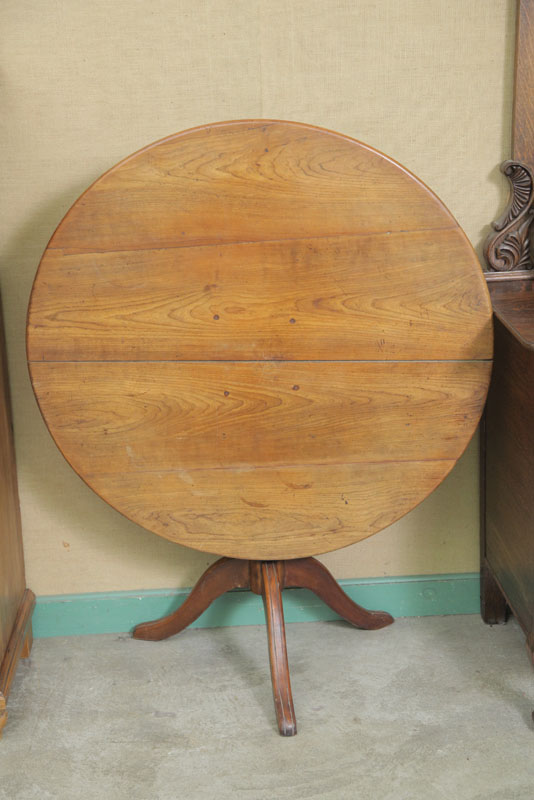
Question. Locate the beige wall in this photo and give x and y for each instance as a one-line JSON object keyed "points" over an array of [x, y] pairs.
{"points": [[426, 81]]}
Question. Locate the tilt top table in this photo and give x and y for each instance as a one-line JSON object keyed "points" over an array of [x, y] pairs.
{"points": [[264, 340]]}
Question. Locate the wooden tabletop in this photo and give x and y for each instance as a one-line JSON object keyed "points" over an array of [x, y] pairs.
{"points": [[260, 339]]}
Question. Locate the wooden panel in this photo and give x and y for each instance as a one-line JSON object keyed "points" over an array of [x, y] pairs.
{"points": [[513, 303], [122, 417], [269, 513], [523, 115], [256, 299], [510, 473], [252, 180], [12, 581], [375, 296]]}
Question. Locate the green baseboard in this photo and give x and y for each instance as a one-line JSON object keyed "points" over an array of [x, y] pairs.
{"points": [[119, 612]]}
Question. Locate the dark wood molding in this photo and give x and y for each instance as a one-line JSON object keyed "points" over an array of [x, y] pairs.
{"points": [[493, 604], [514, 275], [523, 109], [508, 249]]}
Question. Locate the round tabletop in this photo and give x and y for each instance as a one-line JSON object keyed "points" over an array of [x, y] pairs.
{"points": [[260, 339]]}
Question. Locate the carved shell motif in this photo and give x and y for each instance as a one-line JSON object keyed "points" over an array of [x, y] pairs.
{"points": [[509, 248]]}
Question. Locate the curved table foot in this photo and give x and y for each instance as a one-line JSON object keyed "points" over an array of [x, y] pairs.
{"points": [[221, 577], [267, 578], [311, 574], [276, 634]]}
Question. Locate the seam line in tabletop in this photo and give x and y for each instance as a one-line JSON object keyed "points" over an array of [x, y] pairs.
{"points": [[83, 251], [262, 361], [277, 467]]}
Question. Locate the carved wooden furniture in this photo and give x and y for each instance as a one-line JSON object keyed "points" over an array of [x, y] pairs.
{"points": [[16, 601], [264, 340], [508, 568], [507, 543]]}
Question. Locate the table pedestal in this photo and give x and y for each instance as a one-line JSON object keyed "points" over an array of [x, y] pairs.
{"points": [[266, 578]]}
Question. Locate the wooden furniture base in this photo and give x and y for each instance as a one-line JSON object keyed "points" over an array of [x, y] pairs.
{"points": [[266, 578], [277, 366], [16, 601], [19, 646], [493, 606], [507, 574]]}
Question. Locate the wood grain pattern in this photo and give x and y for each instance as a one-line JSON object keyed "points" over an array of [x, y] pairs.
{"points": [[251, 180], [276, 640], [260, 338], [16, 602], [12, 578], [19, 642], [311, 574], [510, 472], [252, 512], [223, 576], [523, 112], [513, 305], [347, 297], [143, 416]]}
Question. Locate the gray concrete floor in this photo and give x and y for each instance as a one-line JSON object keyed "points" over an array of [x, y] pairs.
{"points": [[436, 707]]}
